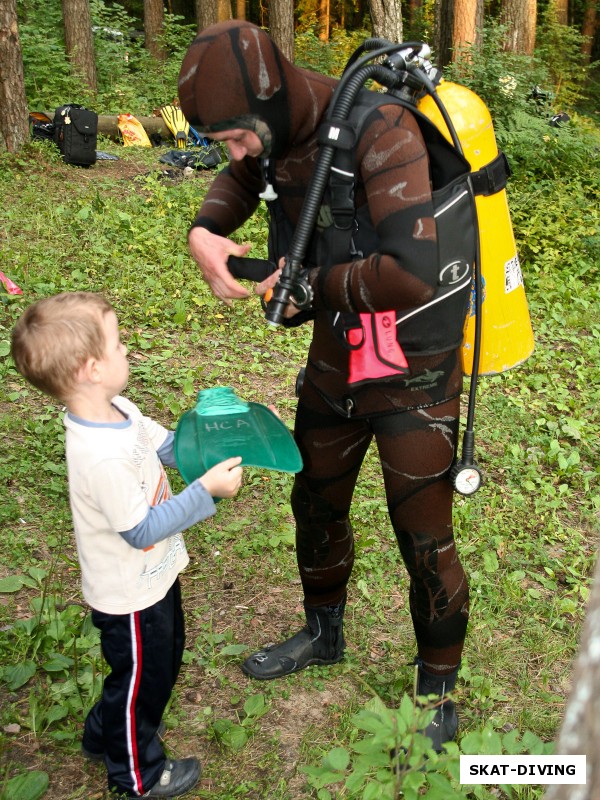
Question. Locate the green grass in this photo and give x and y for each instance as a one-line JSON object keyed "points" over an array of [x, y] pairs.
{"points": [[528, 538]]}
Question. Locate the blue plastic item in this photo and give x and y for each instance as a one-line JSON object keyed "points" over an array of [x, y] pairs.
{"points": [[221, 426]]}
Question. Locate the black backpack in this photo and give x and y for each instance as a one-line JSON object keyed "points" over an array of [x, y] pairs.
{"points": [[75, 134]]}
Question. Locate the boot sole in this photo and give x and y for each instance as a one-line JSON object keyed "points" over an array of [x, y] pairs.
{"points": [[312, 662]]}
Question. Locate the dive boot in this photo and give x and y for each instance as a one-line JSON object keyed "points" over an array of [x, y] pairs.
{"points": [[444, 725], [320, 642]]}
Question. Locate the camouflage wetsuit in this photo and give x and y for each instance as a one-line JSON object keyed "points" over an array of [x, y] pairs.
{"points": [[413, 418]]}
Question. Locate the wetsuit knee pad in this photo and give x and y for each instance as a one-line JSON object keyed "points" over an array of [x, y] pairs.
{"points": [[310, 508]]}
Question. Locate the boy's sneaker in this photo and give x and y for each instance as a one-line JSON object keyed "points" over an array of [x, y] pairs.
{"points": [[178, 778], [93, 756]]}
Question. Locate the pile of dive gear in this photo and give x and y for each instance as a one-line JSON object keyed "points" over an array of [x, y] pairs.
{"points": [[73, 128], [205, 155]]}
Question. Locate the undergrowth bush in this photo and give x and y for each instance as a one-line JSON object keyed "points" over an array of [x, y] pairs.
{"points": [[327, 57], [389, 759], [558, 47], [503, 80], [48, 77], [129, 78], [554, 79]]}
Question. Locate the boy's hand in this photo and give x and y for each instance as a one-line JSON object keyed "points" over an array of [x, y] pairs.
{"points": [[224, 479]]}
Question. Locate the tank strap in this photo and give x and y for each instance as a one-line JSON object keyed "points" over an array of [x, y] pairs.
{"points": [[493, 177]]}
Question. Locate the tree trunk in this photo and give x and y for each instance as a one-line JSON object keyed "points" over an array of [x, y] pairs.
{"points": [[240, 9], [183, 8], [323, 14], [580, 731], [520, 17], [79, 43], [262, 14], [562, 11], [14, 114], [281, 26], [154, 23], [356, 13], [108, 124], [386, 18], [459, 27], [464, 28], [414, 10], [588, 31], [207, 13], [223, 10], [479, 22], [443, 32]]}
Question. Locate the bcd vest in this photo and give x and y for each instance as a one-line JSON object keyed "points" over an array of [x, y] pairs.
{"points": [[345, 232]]}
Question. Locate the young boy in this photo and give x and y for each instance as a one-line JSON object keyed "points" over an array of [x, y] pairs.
{"points": [[128, 531]]}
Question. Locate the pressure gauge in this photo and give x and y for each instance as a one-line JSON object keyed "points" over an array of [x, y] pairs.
{"points": [[466, 479]]}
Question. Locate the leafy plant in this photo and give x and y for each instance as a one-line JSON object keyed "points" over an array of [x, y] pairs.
{"points": [[235, 735], [388, 758], [58, 642], [391, 758], [27, 786]]}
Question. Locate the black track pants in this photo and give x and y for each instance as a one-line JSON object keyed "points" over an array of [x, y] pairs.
{"points": [[416, 450], [144, 651]]}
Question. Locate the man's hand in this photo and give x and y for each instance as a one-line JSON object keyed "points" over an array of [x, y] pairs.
{"points": [[211, 253], [265, 289]]}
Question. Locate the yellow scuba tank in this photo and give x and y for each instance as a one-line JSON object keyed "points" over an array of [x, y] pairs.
{"points": [[506, 332]]}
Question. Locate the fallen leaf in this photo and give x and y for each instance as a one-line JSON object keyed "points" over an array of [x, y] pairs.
{"points": [[13, 727]]}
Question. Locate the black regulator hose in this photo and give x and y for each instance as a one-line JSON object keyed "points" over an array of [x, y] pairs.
{"points": [[290, 283]]}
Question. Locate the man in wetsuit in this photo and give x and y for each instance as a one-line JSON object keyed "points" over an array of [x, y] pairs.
{"points": [[237, 87]]}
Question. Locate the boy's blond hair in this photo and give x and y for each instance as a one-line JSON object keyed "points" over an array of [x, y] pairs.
{"points": [[54, 338]]}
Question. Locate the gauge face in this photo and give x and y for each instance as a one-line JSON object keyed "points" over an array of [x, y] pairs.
{"points": [[467, 480]]}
